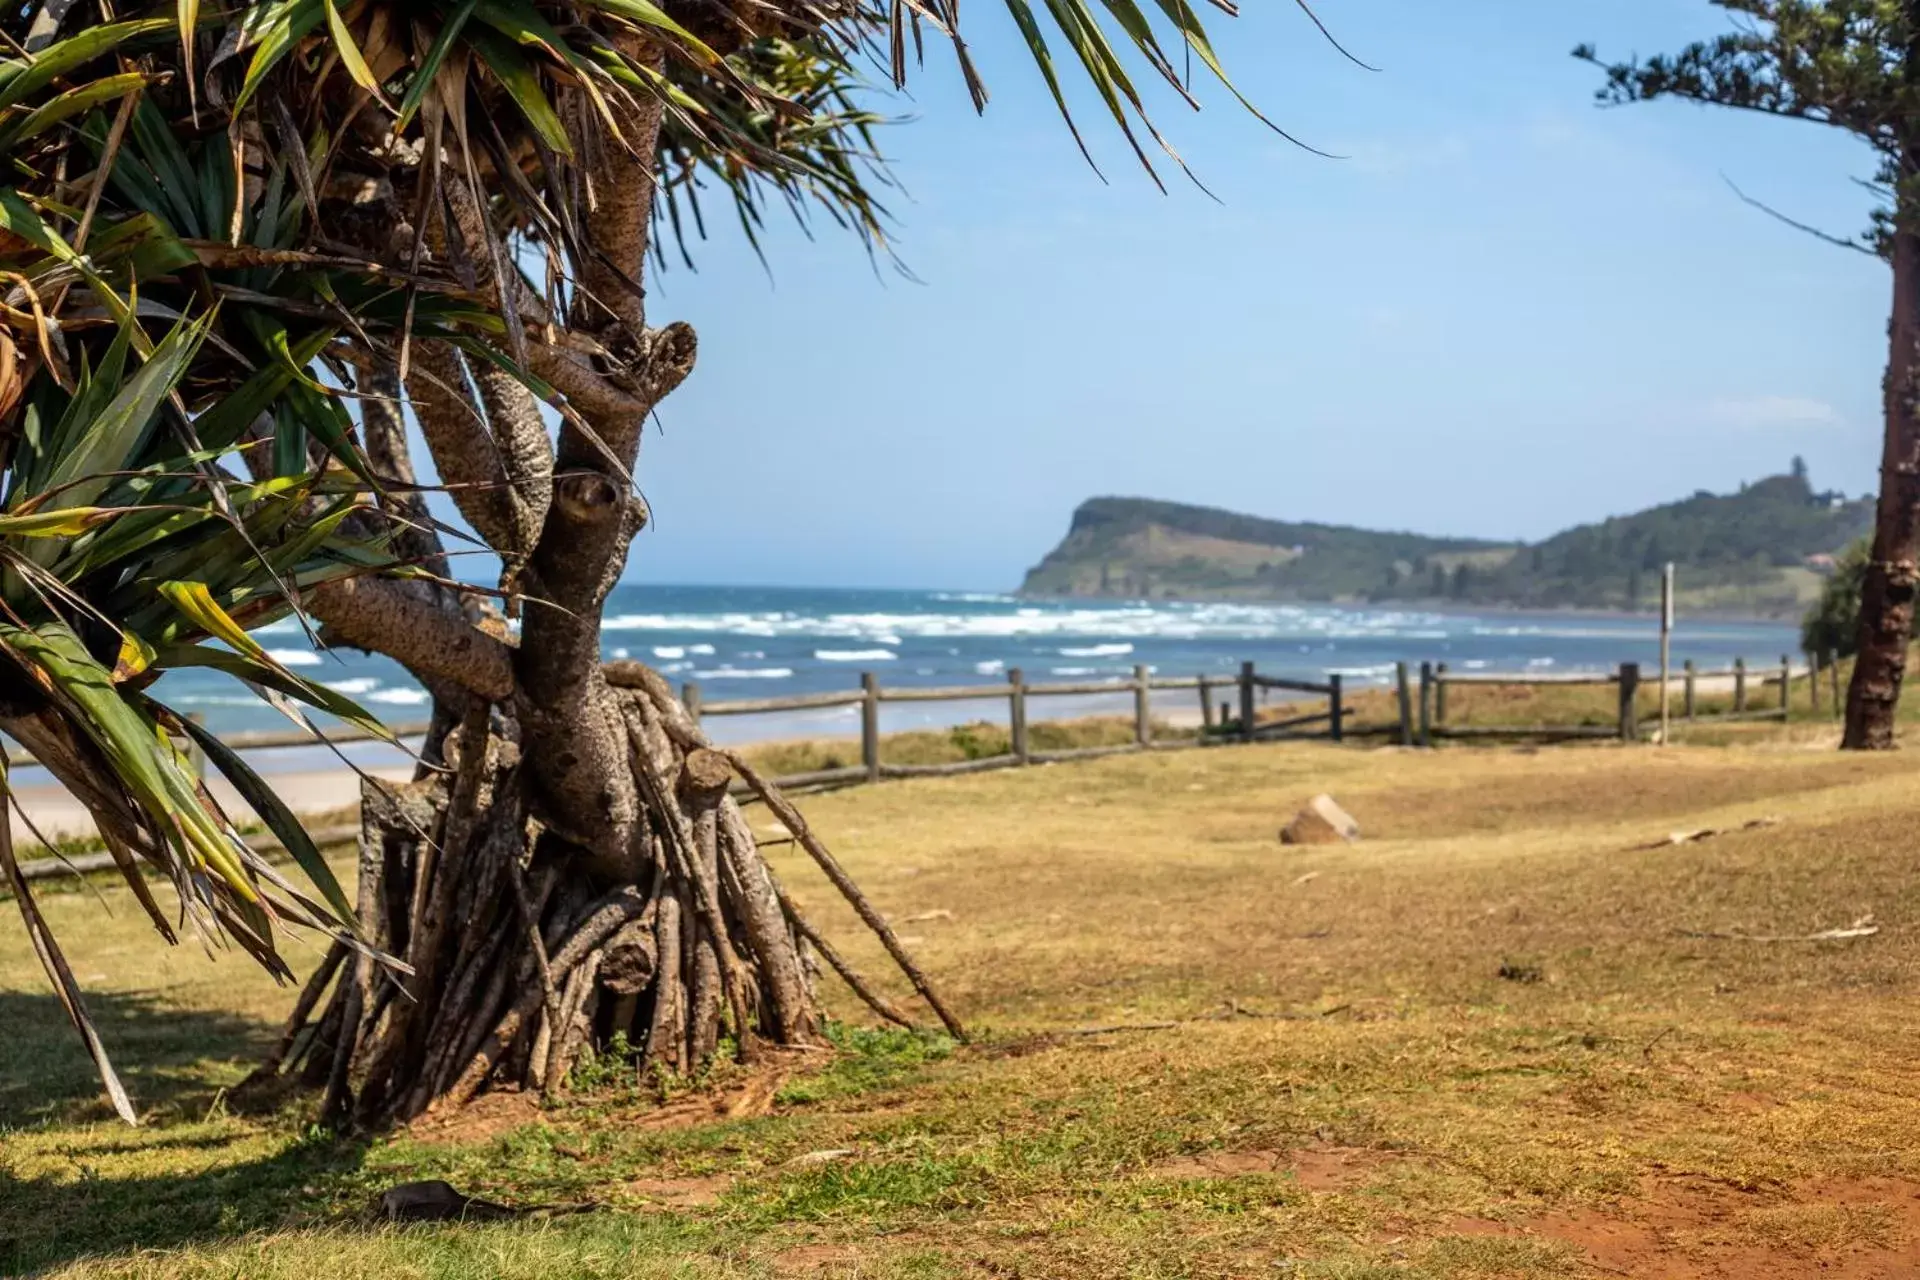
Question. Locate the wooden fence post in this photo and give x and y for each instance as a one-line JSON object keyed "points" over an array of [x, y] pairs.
{"points": [[1440, 693], [1246, 702], [1017, 715], [1142, 706], [1206, 707], [1833, 682], [1739, 685], [690, 699], [1687, 690], [1786, 685], [1426, 704], [1666, 653], [870, 725], [1813, 679], [1406, 703], [1629, 702], [1337, 730]]}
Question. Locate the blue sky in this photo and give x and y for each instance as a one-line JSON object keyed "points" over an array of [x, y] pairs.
{"points": [[1507, 311]]}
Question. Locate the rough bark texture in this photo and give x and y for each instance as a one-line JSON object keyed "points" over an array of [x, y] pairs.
{"points": [[1887, 591], [497, 457], [436, 643]]}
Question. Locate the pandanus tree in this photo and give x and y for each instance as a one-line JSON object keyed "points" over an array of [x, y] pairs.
{"points": [[237, 247], [1852, 65]]}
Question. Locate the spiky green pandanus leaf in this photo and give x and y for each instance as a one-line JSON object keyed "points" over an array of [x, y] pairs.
{"points": [[69, 104], [143, 761], [47, 947], [90, 450], [279, 679], [279, 819], [21, 78]]}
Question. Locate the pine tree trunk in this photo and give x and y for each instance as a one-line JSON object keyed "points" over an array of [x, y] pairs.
{"points": [[1887, 592]]}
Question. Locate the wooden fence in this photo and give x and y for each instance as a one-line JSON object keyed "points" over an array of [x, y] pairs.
{"points": [[1224, 726], [1423, 719]]}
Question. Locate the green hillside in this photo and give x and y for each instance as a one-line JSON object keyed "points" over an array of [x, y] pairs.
{"points": [[1757, 551]]}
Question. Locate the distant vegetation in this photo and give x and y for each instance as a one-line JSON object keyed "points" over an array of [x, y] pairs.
{"points": [[1832, 624], [1764, 550]]}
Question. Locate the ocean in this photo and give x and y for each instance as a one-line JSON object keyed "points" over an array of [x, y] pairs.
{"points": [[739, 642]]}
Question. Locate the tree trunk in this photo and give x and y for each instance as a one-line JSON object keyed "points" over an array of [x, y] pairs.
{"points": [[1887, 592], [523, 956], [569, 869]]}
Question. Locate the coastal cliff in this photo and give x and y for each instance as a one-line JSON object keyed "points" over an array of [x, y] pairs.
{"points": [[1761, 551]]}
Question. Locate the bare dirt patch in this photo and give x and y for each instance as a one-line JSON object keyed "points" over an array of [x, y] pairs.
{"points": [[739, 1097], [812, 1259], [1855, 1229], [676, 1193], [486, 1117]]}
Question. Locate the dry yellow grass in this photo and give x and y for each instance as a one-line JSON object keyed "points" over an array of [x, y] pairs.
{"points": [[1352, 1088]]}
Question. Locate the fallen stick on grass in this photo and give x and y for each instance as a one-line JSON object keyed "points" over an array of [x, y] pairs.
{"points": [[1864, 927], [1233, 1010], [1706, 833]]}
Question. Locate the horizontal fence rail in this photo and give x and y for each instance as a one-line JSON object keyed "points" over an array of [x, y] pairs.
{"points": [[1628, 679], [276, 739], [1222, 725]]}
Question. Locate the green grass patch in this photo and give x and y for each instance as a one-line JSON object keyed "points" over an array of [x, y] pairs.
{"points": [[869, 1058]]}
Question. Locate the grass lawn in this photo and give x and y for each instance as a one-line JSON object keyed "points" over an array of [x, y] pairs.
{"points": [[1492, 1039]]}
